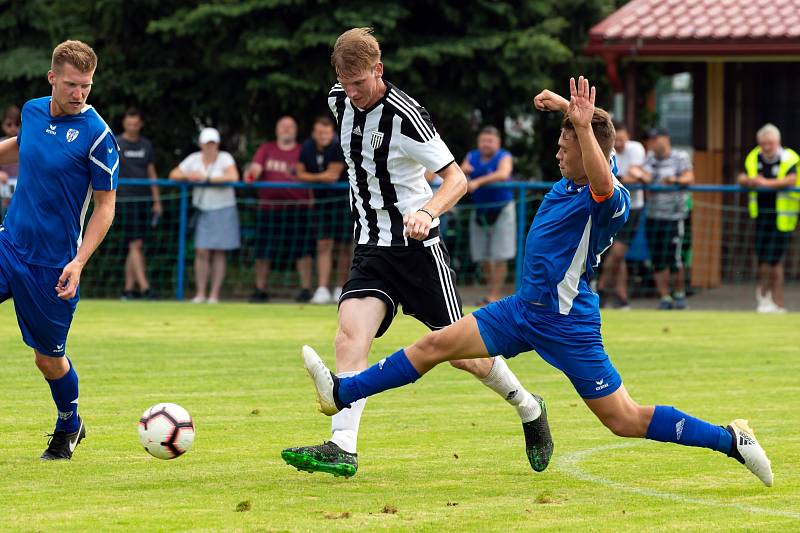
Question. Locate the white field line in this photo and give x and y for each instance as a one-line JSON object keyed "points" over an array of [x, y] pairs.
{"points": [[571, 465]]}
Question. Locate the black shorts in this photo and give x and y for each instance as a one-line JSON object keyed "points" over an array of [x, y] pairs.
{"points": [[771, 244], [284, 234], [626, 234], [133, 218], [332, 219], [665, 241], [418, 278]]}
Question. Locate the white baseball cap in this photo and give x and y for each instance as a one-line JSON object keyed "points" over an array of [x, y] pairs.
{"points": [[208, 135]]}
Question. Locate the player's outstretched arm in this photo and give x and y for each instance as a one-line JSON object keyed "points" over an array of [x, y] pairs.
{"points": [[453, 187], [547, 100], [580, 112], [96, 229], [9, 151]]}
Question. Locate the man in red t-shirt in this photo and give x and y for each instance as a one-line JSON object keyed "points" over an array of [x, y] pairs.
{"points": [[283, 221]]}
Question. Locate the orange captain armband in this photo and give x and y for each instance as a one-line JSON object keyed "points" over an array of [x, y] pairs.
{"points": [[603, 198]]}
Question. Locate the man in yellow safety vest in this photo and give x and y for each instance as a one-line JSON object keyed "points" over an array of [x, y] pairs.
{"points": [[771, 166]]}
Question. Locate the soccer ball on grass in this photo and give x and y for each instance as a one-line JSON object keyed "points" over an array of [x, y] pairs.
{"points": [[166, 430]]}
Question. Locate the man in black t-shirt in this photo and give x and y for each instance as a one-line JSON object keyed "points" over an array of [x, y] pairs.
{"points": [[138, 208], [322, 161]]}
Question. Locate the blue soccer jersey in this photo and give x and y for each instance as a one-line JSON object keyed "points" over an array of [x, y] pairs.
{"points": [[61, 161], [569, 232]]}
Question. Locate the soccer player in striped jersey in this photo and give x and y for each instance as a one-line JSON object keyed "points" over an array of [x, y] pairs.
{"points": [[389, 141], [67, 155], [555, 311]]}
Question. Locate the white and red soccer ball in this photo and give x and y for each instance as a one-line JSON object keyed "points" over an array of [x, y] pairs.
{"points": [[166, 430]]}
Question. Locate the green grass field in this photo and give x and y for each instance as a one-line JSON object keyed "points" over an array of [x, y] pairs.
{"points": [[443, 454]]}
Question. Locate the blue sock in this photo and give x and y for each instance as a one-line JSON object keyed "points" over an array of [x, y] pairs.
{"points": [[670, 425], [392, 372], [65, 396]]}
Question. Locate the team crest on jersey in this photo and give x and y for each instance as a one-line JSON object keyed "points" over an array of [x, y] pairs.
{"points": [[72, 135], [376, 139]]}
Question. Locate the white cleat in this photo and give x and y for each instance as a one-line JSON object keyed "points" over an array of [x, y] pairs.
{"points": [[754, 456], [323, 381]]}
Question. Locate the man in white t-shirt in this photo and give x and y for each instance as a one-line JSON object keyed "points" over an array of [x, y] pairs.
{"points": [[630, 158]]}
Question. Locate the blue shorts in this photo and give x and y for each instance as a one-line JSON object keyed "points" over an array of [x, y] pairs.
{"points": [[572, 344], [43, 317]]}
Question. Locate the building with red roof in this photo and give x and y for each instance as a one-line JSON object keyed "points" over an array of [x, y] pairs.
{"points": [[744, 61]]}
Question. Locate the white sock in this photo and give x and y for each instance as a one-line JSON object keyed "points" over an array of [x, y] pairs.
{"points": [[344, 424], [503, 381]]}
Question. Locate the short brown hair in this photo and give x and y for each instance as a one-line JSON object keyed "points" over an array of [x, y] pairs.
{"points": [[324, 120], [602, 127], [355, 51], [78, 54]]}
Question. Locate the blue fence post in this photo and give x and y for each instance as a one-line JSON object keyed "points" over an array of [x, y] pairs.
{"points": [[522, 226], [183, 222]]}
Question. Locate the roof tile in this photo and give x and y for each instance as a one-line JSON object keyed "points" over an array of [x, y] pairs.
{"points": [[711, 20]]}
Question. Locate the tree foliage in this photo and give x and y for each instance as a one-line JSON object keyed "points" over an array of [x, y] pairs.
{"points": [[241, 64]]}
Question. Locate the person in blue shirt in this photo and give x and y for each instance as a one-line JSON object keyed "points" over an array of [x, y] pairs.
{"points": [[67, 155], [555, 311], [493, 222]]}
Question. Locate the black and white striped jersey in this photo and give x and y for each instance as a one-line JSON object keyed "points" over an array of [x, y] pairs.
{"points": [[387, 149]]}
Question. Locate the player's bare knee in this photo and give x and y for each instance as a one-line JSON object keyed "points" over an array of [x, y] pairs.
{"points": [[345, 337], [50, 367], [352, 347]]}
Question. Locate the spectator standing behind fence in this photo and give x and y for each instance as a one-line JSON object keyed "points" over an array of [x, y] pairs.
{"points": [[667, 212], [771, 166], [493, 224], [282, 224], [12, 119], [322, 161], [217, 220], [630, 158], [138, 208]]}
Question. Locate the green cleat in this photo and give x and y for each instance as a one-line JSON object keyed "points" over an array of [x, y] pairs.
{"points": [[538, 441], [326, 457]]}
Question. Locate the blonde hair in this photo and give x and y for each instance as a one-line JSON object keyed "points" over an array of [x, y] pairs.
{"points": [[78, 54], [355, 51]]}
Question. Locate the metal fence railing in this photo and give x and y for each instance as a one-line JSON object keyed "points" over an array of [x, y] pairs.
{"points": [[718, 247]]}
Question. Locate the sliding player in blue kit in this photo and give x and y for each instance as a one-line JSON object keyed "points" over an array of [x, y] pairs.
{"points": [[66, 155], [555, 311]]}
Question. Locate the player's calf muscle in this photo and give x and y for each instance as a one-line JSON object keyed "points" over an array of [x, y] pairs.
{"points": [[623, 417], [440, 346], [427, 352], [460, 340], [626, 425]]}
